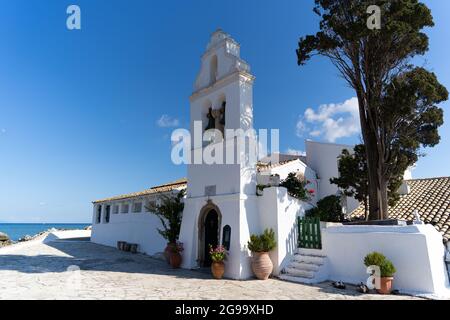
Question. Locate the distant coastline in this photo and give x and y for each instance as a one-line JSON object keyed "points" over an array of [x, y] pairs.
{"points": [[17, 231]]}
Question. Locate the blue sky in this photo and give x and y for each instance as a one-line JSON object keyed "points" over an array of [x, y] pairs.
{"points": [[79, 110]]}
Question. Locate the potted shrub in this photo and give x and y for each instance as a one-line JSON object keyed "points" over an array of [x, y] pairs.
{"points": [[260, 246], [387, 271], [169, 210], [175, 256], [218, 256]]}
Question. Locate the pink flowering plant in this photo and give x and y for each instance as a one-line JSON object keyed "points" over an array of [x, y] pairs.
{"points": [[218, 254], [297, 187]]}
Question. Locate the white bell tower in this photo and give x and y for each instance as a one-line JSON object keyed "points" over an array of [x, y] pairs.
{"points": [[221, 196], [222, 98]]}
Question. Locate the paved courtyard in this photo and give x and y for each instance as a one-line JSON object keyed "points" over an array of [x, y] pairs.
{"points": [[39, 271]]}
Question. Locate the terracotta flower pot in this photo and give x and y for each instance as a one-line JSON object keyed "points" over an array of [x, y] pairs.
{"points": [[120, 245], [175, 260], [126, 247], [262, 266], [168, 251], [218, 269], [385, 285]]}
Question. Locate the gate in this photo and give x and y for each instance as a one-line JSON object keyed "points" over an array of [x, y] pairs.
{"points": [[309, 233]]}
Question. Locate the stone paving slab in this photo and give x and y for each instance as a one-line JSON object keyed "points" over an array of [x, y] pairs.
{"points": [[40, 271]]}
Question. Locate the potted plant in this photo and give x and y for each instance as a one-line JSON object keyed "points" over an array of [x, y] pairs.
{"points": [[218, 256], [175, 256], [169, 210], [260, 246], [387, 271]]}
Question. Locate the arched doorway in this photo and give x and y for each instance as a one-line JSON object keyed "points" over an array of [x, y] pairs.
{"points": [[209, 233]]}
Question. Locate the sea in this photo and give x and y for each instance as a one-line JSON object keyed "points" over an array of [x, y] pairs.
{"points": [[15, 231]]}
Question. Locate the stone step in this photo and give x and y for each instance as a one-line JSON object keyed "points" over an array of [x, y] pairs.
{"points": [[309, 259], [304, 266], [290, 278], [299, 273], [311, 252]]}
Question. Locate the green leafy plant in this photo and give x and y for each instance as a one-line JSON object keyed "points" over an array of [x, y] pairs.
{"points": [[387, 269], [262, 243], [169, 210], [328, 209], [177, 248], [296, 187]]}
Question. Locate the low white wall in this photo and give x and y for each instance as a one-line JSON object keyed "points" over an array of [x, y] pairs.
{"points": [[279, 211], [416, 251], [137, 228]]}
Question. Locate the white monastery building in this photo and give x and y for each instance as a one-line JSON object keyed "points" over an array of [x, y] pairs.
{"points": [[223, 206]]}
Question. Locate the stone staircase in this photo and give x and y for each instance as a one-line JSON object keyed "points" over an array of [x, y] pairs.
{"points": [[307, 266]]}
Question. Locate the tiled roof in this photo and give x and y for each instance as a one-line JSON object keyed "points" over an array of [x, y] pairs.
{"points": [[261, 166], [178, 184], [430, 197], [181, 183]]}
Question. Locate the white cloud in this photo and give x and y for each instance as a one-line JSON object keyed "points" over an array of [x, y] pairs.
{"points": [[295, 152], [331, 121], [167, 121]]}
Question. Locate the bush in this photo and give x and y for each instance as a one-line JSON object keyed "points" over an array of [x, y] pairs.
{"points": [[328, 209], [170, 213], [262, 243], [296, 187], [387, 269]]}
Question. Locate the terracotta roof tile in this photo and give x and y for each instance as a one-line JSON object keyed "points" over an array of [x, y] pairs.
{"points": [[178, 184]]}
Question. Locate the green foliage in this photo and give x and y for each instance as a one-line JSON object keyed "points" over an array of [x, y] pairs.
{"points": [[387, 269], [262, 243], [169, 210], [353, 179], [328, 209], [397, 101], [296, 187]]}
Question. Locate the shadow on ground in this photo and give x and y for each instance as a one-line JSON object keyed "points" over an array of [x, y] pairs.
{"points": [[91, 257]]}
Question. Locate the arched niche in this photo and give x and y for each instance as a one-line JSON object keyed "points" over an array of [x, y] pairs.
{"points": [[213, 69]]}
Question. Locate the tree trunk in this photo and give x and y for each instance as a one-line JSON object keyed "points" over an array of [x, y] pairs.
{"points": [[374, 187], [377, 208], [384, 207]]}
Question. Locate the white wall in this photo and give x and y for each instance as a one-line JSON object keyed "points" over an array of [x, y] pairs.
{"points": [[417, 253], [137, 228], [323, 159], [279, 211]]}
